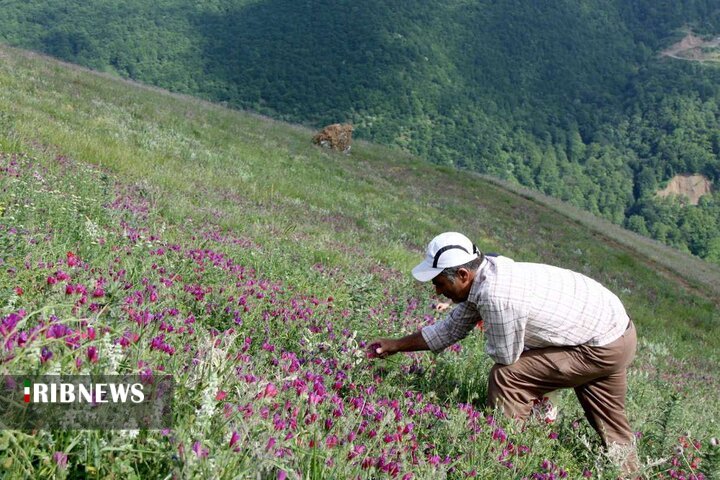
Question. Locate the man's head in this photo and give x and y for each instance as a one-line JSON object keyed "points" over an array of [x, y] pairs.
{"points": [[451, 262]]}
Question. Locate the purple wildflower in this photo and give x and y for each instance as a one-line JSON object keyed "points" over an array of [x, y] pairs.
{"points": [[45, 355], [200, 452], [499, 434], [92, 354], [60, 459]]}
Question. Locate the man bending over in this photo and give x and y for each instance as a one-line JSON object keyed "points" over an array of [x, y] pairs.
{"points": [[546, 328]]}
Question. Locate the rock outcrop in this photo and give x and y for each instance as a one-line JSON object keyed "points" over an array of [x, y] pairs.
{"points": [[337, 136]]}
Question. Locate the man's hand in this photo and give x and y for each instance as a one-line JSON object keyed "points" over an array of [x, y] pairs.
{"points": [[442, 306], [384, 347], [381, 348]]}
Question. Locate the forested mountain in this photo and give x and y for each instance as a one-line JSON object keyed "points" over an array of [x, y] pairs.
{"points": [[568, 97]]}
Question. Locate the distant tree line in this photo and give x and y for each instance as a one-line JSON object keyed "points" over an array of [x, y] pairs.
{"points": [[566, 97]]}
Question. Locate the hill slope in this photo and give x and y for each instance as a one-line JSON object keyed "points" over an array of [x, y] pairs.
{"points": [[568, 98], [145, 233]]}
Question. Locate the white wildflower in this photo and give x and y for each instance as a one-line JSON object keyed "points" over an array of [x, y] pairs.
{"points": [[354, 349], [93, 230], [55, 369], [128, 434], [619, 454], [10, 305], [208, 405], [113, 354], [33, 358]]}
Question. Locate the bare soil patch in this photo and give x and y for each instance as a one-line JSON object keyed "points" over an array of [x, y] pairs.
{"points": [[695, 48], [689, 186]]}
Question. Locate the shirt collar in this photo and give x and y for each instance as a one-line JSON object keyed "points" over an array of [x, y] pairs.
{"points": [[480, 277]]}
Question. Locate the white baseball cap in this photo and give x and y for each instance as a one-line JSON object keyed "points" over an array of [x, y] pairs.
{"points": [[449, 249]]}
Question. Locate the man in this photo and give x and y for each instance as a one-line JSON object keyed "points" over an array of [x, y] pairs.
{"points": [[546, 328]]}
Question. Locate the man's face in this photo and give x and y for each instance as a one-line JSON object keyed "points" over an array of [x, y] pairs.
{"points": [[457, 289]]}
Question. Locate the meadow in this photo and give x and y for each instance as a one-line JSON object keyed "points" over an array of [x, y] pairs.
{"points": [[149, 233]]}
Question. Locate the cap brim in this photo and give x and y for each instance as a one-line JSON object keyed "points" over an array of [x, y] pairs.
{"points": [[425, 272]]}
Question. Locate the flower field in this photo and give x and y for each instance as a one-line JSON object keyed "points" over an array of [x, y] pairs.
{"points": [[147, 234]]}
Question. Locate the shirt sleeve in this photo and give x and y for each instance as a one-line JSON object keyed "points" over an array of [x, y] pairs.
{"points": [[456, 326], [504, 333]]}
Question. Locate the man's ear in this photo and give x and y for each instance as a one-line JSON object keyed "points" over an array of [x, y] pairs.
{"points": [[465, 275]]}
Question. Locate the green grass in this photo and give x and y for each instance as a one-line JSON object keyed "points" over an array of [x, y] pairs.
{"points": [[316, 225]]}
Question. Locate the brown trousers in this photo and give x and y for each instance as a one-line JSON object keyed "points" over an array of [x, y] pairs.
{"points": [[598, 375]]}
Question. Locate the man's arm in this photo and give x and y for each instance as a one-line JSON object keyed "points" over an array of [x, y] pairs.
{"points": [[384, 347], [456, 326]]}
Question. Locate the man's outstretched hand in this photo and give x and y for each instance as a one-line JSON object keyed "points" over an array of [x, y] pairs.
{"points": [[381, 348], [384, 347]]}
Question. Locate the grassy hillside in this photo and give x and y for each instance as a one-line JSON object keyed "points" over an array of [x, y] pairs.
{"points": [[569, 98], [144, 232]]}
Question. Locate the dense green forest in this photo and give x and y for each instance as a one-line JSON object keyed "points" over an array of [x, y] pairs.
{"points": [[571, 98]]}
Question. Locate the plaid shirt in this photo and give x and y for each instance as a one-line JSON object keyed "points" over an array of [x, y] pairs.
{"points": [[530, 305]]}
